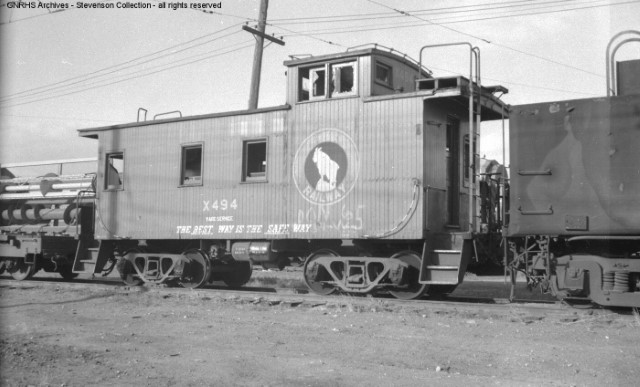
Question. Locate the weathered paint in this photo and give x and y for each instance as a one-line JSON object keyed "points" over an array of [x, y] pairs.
{"points": [[575, 167], [350, 167]]}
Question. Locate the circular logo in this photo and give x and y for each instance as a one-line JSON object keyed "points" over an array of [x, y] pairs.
{"points": [[326, 166]]}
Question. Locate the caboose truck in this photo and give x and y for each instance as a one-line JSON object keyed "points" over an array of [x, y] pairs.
{"points": [[368, 171], [574, 222]]}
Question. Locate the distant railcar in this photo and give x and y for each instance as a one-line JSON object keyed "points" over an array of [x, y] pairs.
{"points": [[368, 173], [574, 221]]}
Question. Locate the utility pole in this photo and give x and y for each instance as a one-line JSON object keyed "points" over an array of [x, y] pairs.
{"points": [[257, 56]]}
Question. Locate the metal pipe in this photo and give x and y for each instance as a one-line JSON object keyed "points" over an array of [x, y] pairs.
{"points": [[614, 85], [38, 195], [476, 135], [608, 66], [471, 128], [58, 186]]}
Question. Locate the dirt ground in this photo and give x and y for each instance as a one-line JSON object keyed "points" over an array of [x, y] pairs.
{"points": [[57, 336]]}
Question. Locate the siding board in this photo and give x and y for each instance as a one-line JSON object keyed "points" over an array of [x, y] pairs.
{"points": [[375, 151]]}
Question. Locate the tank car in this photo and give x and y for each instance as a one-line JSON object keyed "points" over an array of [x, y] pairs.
{"points": [[574, 224], [368, 173]]}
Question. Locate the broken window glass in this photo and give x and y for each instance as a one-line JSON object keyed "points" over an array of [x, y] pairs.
{"points": [[343, 79], [114, 171]]}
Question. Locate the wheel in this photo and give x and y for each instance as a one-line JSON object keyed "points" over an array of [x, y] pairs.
{"points": [[127, 272], [196, 269], [414, 289], [21, 270], [67, 272], [315, 274], [241, 274]]}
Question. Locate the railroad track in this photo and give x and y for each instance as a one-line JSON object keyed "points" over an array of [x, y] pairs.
{"points": [[525, 311]]}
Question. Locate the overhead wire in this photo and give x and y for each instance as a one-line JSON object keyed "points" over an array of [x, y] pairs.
{"points": [[351, 28], [53, 118], [117, 67], [442, 25], [423, 12], [58, 86], [136, 74], [269, 23]]}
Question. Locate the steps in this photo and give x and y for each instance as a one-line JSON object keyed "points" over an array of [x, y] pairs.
{"points": [[446, 266], [91, 256]]}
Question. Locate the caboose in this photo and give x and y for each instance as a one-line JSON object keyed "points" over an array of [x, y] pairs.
{"points": [[368, 174]]}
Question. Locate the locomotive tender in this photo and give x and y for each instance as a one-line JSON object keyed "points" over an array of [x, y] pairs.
{"points": [[574, 224], [368, 171]]}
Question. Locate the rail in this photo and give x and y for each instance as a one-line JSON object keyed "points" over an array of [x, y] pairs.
{"points": [[392, 51], [612, 88], [59, 163], [474, 130]]}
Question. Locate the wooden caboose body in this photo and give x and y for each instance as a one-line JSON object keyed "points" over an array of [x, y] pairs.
{"points": [[368, 157]]}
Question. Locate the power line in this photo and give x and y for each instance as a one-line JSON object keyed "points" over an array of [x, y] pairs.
{"points": [[428, 21], [127, 79], [424, 12], [333, 30], [383, 14], [54, 118], [395, 26], [118, 66], [246, 19]]}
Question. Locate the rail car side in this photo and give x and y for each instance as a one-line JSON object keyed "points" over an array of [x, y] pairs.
{"points": [[575, 215], [369, 174], [349, 176], [43, 220]]}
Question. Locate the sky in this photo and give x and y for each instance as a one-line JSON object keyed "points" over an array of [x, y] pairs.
{"points": [[68, 69]]}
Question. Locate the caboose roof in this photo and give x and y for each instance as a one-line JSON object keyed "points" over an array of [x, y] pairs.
{"points": [[93, 132]]}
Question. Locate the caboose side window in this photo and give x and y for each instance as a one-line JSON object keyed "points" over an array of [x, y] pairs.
{"points": [[318, 79], [254, 160], [311, 83], [191, 165], [114, 171], [343, 79], [330, 80], [384, 74]]}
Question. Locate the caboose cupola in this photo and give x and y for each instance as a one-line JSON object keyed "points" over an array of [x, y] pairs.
{"points": [[364, 72]]}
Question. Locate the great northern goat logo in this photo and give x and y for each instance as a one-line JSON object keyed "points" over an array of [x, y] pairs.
{"points": [[326, 166]]}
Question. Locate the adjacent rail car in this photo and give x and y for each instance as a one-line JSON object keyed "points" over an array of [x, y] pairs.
{"points": [[43, 220], [368, 173], [574, 223]]}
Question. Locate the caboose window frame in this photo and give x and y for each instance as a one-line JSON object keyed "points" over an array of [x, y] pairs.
{"points": [[254, 160], [111, 171], [338, 82], [191, 174], [388, 82], [318, 83]]}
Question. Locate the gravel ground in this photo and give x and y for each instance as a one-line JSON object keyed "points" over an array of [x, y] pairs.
{"points": [[53, 335]]}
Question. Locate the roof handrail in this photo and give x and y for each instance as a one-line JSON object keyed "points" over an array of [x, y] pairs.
{"points": [[610, 59], [392, 51]]}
